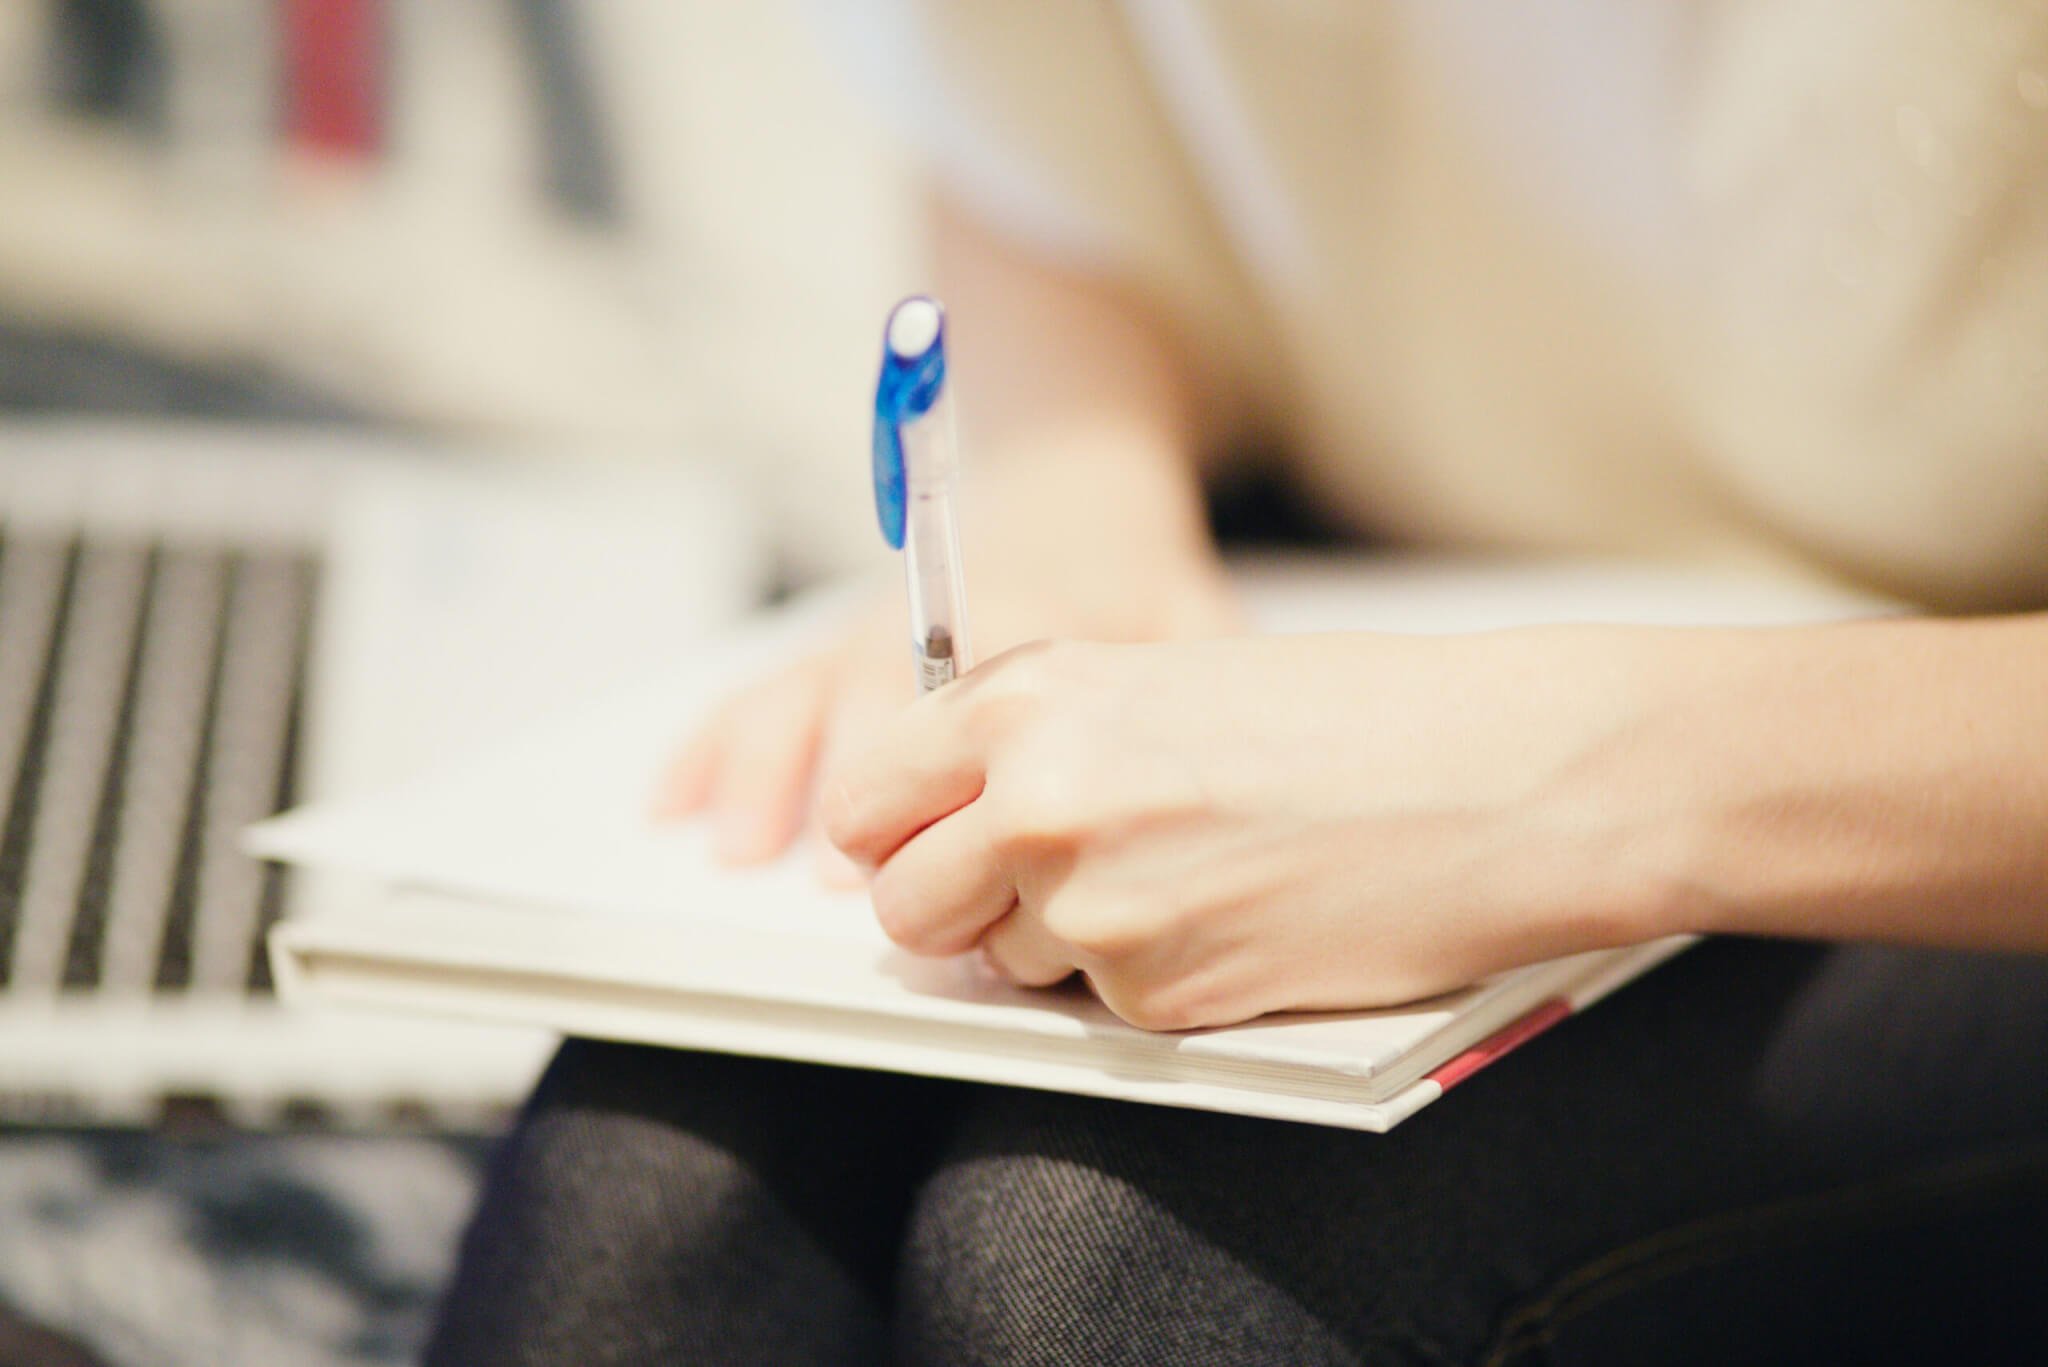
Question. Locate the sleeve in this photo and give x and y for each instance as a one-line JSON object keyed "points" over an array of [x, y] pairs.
{"points": [[1040, 119], [1874, 197]]}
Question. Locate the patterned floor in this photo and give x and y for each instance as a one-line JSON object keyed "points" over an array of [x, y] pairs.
{"points": [[231, 1249]]}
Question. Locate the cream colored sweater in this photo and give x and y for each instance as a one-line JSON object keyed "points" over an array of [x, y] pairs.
{"points": [[1750, 282]]}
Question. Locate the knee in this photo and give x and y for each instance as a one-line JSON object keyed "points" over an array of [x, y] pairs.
{"points": [[1005, 1252], [651, 1202], [626, 1147], [1054, 1234]]}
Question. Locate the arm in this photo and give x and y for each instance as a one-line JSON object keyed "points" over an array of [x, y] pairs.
{"points": [[1879, 780], [1215, 830], [1079, 427]]}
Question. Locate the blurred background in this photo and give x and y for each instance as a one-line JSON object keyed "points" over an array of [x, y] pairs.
{"points": [[374, 374]]}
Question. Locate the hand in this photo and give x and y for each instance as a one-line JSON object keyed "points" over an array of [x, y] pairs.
{"points": [[750, 766], [1082, 516], [1215, 830]]}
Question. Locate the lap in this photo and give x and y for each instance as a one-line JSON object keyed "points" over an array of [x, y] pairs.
{"points": [[1759, 1143], [1794, 1126], [653, 1206]]}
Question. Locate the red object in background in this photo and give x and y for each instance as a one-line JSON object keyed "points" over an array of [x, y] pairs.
{"points": [[333, 71]]}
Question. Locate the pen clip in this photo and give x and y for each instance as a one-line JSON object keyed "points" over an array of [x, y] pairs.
{"points": [[908, 388]]}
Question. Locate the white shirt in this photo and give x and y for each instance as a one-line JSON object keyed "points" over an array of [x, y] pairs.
{"points": [[1746, 281]]}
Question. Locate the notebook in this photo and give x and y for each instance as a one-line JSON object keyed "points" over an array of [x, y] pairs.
{"points": [[527, 885]]}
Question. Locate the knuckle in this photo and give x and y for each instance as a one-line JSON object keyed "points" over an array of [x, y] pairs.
{"points": [[1105, 932], [1018, 682], [1158, 1006], [1023, 969], [898, 910], [992, 718], [1055, 788], [1037, 805], [1032, 664], [839, 816], [1043, 975]]}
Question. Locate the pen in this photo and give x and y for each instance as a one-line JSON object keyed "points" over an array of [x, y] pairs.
{"points": [[917, 477]]}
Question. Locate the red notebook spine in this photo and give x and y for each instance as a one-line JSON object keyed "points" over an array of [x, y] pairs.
{"points": [[1501, 1042]]}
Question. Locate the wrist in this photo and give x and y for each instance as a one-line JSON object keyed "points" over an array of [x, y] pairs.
{"points": [[1842, 781], [1109, 523], [1875, 780], [1628, 834]]}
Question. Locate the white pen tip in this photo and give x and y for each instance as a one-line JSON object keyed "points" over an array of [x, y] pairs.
{"points": [[913, 327]]}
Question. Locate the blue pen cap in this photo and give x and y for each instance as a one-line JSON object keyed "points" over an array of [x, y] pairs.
{"points": [[913, 375]]}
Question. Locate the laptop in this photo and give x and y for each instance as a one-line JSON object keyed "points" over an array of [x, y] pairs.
{"points": [[200, 625]]}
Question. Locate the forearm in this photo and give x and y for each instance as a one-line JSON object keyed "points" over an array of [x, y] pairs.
{"points": [[1882, 780], [1080, 420]]}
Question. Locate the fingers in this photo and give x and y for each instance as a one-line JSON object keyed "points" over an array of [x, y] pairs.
{"points": [[752, 766], [943, 888], [686, 785], [919, 769], [1021, 949], [865, 699], [835, 870]]}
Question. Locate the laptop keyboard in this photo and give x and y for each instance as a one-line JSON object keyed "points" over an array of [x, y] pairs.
{"points": [[150, 698], [166, 593]]}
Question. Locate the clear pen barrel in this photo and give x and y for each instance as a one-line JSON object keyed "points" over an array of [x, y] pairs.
{"points": [[931, 548]]}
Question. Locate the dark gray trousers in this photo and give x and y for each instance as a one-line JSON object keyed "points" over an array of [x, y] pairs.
{"points": [[1761, 1153]]}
